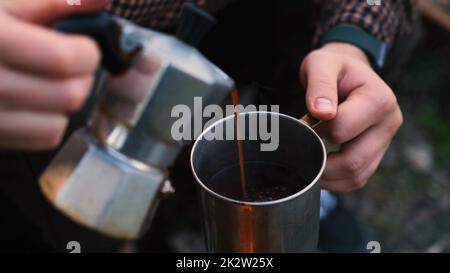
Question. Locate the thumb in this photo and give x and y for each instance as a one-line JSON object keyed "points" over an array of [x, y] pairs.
{"points": [[47, 11], [320, 79]]}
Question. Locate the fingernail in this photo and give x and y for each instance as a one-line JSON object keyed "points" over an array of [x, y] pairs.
{"points": [[324, 105]]}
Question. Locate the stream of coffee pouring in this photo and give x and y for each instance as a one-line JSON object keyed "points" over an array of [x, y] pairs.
{"points": [[240, 144]]}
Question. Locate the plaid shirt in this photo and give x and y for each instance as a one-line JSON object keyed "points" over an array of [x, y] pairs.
{"points": [[383, 21]]}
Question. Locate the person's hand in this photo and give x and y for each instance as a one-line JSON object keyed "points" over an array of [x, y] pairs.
{"points": [[43, 74], [359, 111]]}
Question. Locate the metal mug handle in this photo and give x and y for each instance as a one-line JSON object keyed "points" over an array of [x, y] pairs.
{"points": [[312, 122]]}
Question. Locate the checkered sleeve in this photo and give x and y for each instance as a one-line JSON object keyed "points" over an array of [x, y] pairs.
{"points": [[383, 19], [156, 14]]}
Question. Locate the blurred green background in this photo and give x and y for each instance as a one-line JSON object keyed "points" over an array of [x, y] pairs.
{"points": [[406, 205]]}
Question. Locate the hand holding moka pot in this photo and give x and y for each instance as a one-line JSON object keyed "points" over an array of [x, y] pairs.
{"points": [[110, 175]]}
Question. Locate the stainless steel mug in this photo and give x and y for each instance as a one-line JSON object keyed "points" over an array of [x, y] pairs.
{"points": [[280, 211]]}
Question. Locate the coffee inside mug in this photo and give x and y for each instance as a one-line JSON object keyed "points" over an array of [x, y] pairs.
{"points": [[271, 176]]}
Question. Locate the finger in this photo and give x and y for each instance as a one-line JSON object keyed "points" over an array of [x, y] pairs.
{"points": [[354, 183], [359, 111], [320, 76], [357, 154], [36, 49], [30, 130], [19, 90], [46, 11]]}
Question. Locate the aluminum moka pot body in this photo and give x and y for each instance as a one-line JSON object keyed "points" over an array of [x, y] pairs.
{"points": [[110, 175]]}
